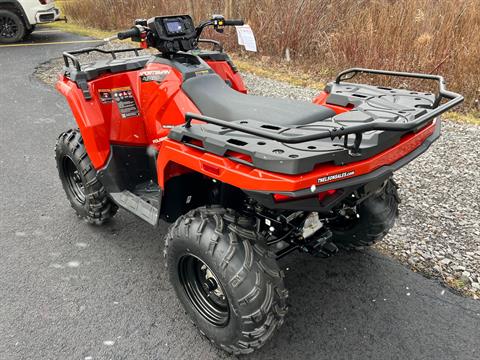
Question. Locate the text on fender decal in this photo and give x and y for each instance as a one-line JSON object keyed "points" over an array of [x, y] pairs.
{"points": [[335, 177]]}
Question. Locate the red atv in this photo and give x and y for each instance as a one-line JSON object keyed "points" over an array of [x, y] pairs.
{"points": [[245, 179]]}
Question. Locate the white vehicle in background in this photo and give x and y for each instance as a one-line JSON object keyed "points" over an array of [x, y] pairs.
{"points": [[18, 18]]}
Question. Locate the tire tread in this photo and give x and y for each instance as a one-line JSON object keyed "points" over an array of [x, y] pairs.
{"points": [[262, 299], [98, 208]]}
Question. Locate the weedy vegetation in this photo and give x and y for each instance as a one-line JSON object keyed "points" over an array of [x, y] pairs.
{"points": [[325, 36]]}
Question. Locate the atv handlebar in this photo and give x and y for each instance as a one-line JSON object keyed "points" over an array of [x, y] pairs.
{"points": [[129, 33], [234, 22], [135, 31], [141, 29], [218, 22]]}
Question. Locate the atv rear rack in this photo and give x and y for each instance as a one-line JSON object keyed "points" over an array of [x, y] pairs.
{"points": [[442, 93], [358, 130], [380, 117]]}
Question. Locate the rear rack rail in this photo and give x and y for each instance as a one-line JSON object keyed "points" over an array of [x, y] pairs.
{"points": [[442, 93], [341, 131]]}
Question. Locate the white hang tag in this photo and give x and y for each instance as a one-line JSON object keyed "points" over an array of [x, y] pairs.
{"points": [[246, 37], [239, 36]]}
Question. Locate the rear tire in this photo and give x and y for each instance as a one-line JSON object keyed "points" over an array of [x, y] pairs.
{"points": [[12, 28], [377, 216], [85, 192], [248, 302]]}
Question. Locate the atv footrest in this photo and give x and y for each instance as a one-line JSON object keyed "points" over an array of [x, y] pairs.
{"points": [[135, 204]]}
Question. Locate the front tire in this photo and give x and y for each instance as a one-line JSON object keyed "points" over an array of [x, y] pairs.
{"points": [[12, 28], [229, 284], [79, 178]]}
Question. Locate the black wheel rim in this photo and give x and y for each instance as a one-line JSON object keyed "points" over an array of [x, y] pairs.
{"points": [[203, 290], [8, 27], [74, 180]]}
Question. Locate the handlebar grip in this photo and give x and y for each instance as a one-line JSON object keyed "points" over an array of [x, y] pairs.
{"points": [[234, 22], [129, 33]]}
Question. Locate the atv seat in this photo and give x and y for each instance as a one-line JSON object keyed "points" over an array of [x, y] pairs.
{"points": [[214, 98]]}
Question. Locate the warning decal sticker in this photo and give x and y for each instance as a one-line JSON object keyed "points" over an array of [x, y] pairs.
{"points": [[125, 102]]}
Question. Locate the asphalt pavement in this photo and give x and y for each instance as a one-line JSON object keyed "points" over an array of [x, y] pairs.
{"points": [[69, 290]]}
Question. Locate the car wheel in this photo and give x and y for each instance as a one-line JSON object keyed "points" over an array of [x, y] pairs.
{"points": [[12, 28]]}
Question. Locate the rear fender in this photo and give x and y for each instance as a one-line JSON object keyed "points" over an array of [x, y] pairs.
{"points": [[324, 177]]}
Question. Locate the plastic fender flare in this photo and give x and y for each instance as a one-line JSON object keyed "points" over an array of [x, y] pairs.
{"points": [[95, 132]]}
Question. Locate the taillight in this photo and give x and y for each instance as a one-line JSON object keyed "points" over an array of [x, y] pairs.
{"points": [[282, 198]]}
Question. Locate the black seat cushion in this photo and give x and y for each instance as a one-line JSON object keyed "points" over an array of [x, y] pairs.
{"points": [[214, 98]]}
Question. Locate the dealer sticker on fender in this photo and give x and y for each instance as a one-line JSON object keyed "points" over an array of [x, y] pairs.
{"points": [[335, 177]]}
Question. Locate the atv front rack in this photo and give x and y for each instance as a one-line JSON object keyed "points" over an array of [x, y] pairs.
{"points": [[379, 118], [70, 56], [358, 130], [82, 74]]}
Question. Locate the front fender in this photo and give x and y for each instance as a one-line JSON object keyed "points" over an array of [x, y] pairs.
{"points": [[92, 125]]}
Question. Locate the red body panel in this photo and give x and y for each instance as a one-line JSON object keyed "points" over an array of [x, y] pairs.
{"points": [[249, 178], [162, 105], [226, 72], [321, 99], [94, 128]]}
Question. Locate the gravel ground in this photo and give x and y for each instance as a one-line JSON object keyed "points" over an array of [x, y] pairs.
{"points": [[439, 225]]}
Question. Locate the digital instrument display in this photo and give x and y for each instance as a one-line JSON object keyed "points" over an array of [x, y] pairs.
{"points": [[174, 27], [173, 33]]}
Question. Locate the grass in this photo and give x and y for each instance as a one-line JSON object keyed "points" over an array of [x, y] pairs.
{"points": [[80, 30], [467, 118], [275, 72]]}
